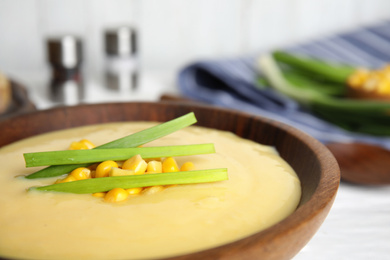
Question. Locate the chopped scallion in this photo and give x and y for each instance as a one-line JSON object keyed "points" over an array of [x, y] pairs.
{"points": [[126, 182], [351, 114], [133, 140], [100, 155]]}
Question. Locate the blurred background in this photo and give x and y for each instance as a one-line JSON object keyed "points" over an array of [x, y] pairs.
{"points": [[170, 34]]}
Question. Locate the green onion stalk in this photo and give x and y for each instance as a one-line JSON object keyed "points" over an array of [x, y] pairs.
{"points": [[321, 87], [119, 154], [134, 181], [130, 141]]}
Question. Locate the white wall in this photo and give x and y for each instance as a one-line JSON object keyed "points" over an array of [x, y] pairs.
{"points": [[174, 32]]}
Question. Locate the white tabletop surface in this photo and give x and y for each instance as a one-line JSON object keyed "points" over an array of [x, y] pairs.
{"points": [[358, 225]]}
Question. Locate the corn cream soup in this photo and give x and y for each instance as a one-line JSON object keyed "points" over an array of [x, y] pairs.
{"points": [[262, 189]]}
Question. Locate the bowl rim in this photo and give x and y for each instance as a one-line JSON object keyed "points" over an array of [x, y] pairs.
{"points": [[325, 192]]}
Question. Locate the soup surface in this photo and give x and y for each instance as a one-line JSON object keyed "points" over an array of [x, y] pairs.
{"points": [[262, 189]]}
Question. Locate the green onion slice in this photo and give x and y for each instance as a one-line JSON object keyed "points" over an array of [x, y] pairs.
{"points": [[133, 181], [99, 155], [129, 141]]}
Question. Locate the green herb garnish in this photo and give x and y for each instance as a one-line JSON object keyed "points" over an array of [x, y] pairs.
{"points": [[130, 141], [100, 155], [372, 117], [127, 182], [331, 72]]}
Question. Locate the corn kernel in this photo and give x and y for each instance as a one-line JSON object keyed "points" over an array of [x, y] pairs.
{"points": [[83, 144], [116, 195], [152, 190], [187, 166], [134, 191], [170, 165], [81, 173], [370, 84], [135, 163], [87, 143], [76, 146], [384, 87], [374, 81], [154, 167], [69, 178], [358, 77], [120, 172], [104, 168], [99, 194]]}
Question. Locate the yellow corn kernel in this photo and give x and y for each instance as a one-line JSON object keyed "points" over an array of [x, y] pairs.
{"points": [[116, 195], [384, 87], [152, 189], [170, 165], [154, 167], [99, 194], [69, 178], [120, 172], [83, 144], [87, 143], [134, 191], [374, 81], [76, 146], [357, 78], [371, 83], [135, 163], [187, 166], [81, 173], [104, 168]]}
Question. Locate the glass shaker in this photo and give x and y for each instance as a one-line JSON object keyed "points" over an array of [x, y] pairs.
{"points": [[65, 57], [121, 58]]}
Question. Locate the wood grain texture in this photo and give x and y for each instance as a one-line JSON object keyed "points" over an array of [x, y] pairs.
{"points": [[314, 164]]}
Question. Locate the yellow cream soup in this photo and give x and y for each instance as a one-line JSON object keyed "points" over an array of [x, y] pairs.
{"points": [[262, 189]]}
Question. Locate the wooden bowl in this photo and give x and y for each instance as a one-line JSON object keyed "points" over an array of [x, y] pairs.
{"points": [[314, 164]]}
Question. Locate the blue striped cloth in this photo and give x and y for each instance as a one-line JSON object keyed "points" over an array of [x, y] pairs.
{"points": [[231, 82]]}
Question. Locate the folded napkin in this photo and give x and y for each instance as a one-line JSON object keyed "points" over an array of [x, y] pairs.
{"points": [[232, 83]]}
